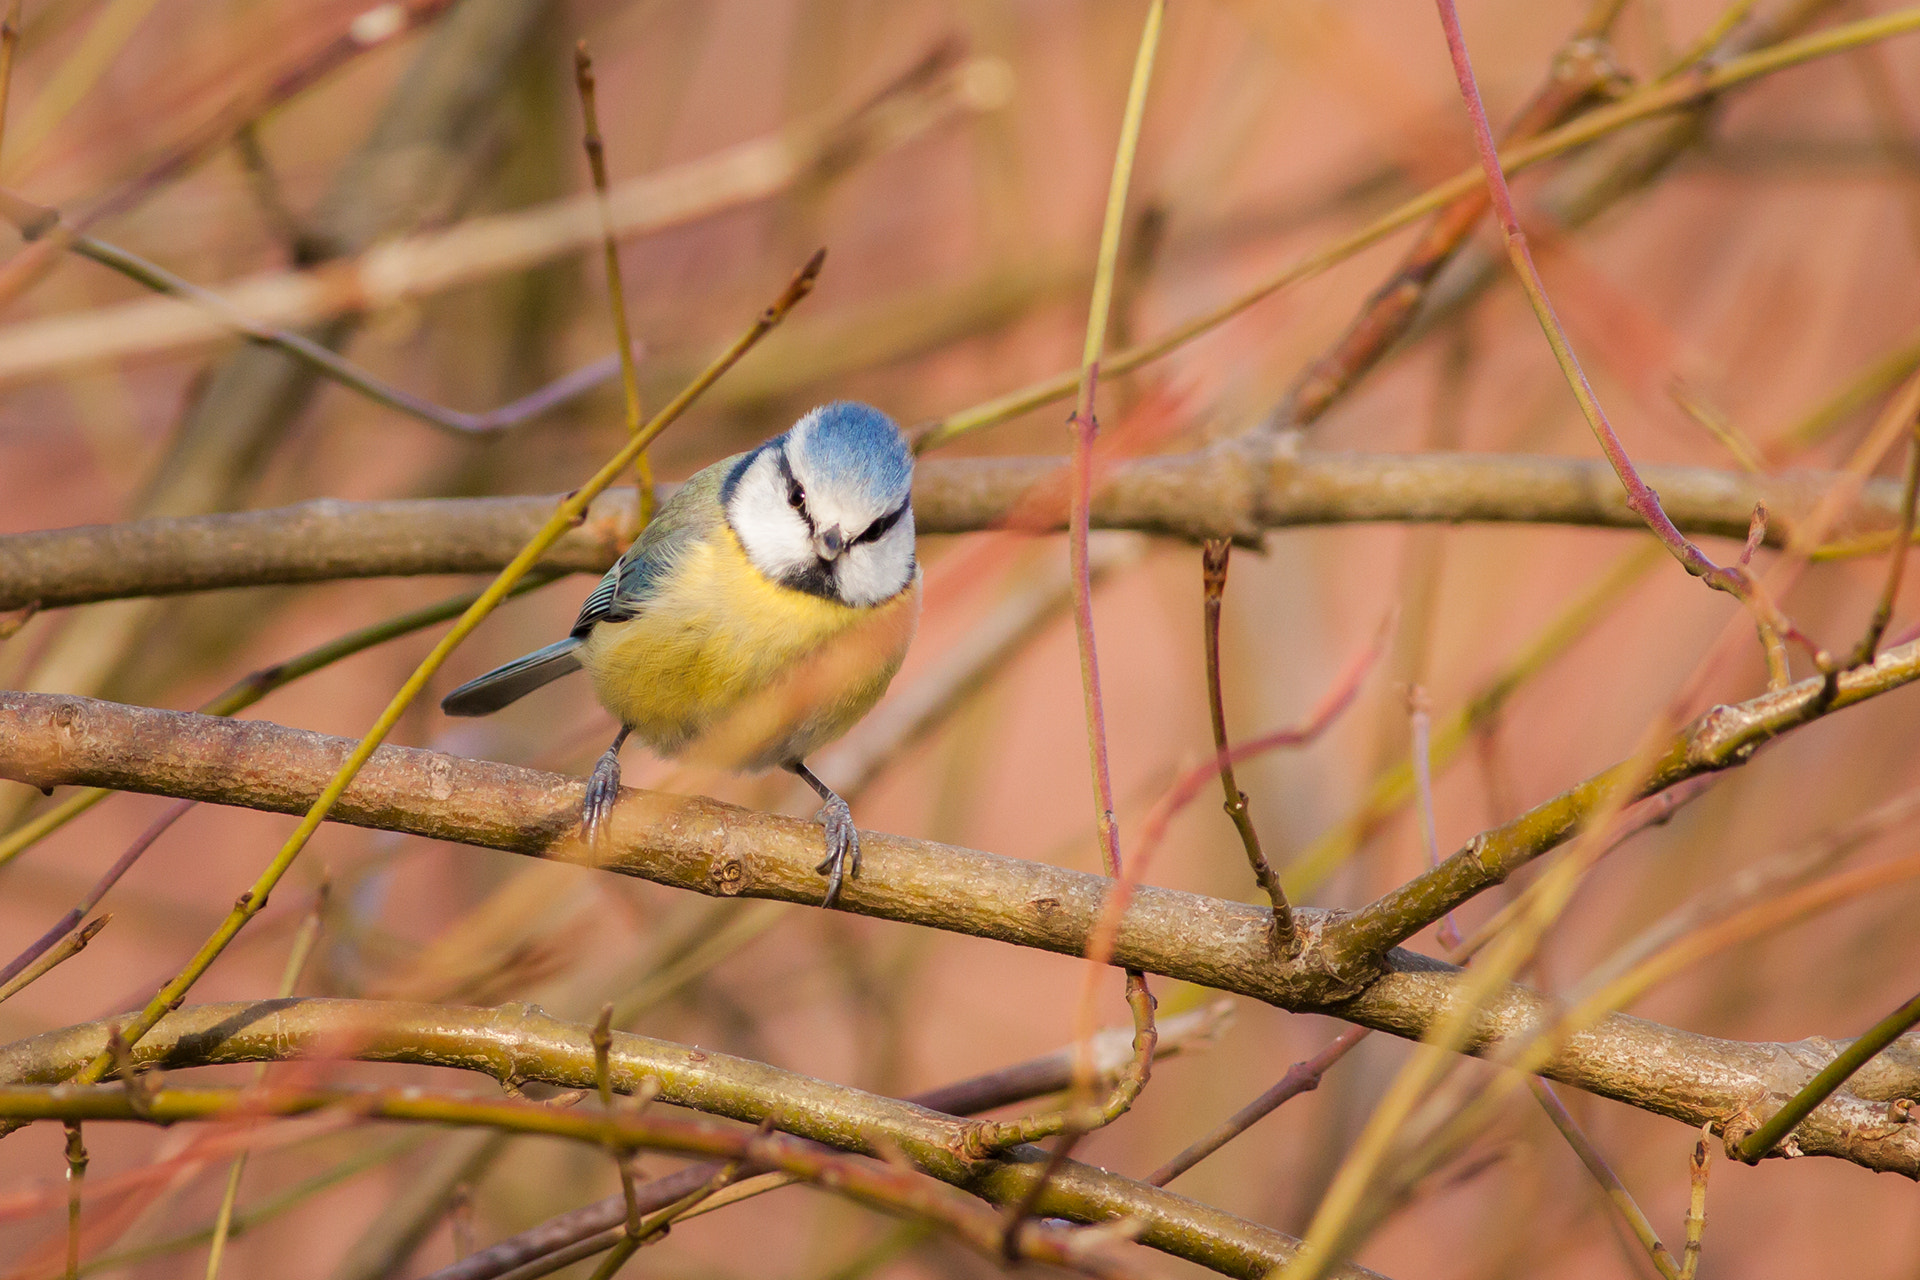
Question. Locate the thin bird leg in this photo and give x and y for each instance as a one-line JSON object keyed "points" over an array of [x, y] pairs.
{"points": [[843, 841], [603, 789]]}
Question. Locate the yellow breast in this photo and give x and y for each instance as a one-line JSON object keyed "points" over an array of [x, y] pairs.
{"points": [[726, 667]]}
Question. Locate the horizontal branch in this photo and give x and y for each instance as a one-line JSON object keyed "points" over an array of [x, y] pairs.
{"points": [[518, 1044], [707, 847], [1233, 490]]}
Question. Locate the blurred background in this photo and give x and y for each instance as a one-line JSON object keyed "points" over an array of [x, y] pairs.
{"points": [[1761, 272]]}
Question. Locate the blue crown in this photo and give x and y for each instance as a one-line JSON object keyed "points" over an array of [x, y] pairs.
{"points": [[850, 444]]}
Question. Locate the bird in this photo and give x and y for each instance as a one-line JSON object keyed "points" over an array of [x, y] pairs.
{"points": [[758, 616]]}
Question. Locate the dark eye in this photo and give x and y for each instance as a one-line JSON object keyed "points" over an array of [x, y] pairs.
{"points": [[796, 496], [878, 529]]}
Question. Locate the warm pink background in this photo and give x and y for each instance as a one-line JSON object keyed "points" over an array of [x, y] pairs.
{"points": [[1763, 279]]}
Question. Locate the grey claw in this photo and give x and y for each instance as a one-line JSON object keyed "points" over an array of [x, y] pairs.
{"points": [[843, 847], [603, 792]]}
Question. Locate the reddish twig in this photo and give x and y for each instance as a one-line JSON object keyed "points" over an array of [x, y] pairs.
{"points": [[1214, 557], [1187, 787], [1641, 499], [1301, 1077], [67, 922], [1896, 564]]}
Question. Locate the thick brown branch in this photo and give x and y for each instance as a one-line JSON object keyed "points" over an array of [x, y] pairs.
{"points": [[707, 847], [1234, 490], [520, 1044]]}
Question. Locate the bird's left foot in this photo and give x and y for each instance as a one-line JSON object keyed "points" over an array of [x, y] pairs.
{"points": [[843, 847]]}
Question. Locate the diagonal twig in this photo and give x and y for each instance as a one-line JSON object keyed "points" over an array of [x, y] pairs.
{"points": [[1301, 1077], [1896, 562], [1781, 1123], [616, 291]]}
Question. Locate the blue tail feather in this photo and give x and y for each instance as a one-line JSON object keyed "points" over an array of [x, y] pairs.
{"points": [[502, 685]]}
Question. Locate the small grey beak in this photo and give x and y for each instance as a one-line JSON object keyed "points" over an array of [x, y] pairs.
{"points": [[830, 542]]}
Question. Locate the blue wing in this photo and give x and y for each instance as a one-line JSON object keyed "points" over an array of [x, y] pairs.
{"points": [[624, 591], [692, 513]]}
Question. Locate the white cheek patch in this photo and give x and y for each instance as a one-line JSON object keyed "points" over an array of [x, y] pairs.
{"points": [[871, 572], [771, 532]]}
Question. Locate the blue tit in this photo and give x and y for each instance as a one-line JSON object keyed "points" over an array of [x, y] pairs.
{"points": [[761, 613]]}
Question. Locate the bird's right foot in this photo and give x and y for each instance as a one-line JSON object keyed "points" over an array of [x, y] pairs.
{"points": [[603, 792]]}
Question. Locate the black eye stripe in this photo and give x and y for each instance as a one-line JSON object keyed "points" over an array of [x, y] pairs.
{"points": [[878, 529], [796, 496]]}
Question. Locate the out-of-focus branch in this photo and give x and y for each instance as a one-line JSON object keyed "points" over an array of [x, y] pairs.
{"points": [[37, 221], [421, 152], [711, 848], [479, 248], [519, 1044], [1582, 73], [1234, 490], [593, 1228], [878, 1184]]}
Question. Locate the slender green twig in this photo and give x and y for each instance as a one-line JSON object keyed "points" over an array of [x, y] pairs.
{"points": [[297, 957], [76, 1179], [251, 902], [616, 292], [1696, 1203], [1708, 40], [1829, 1078], [617, 1258], [1616, 1191], [603, 1085], [249, 689], [1421, 722]]}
